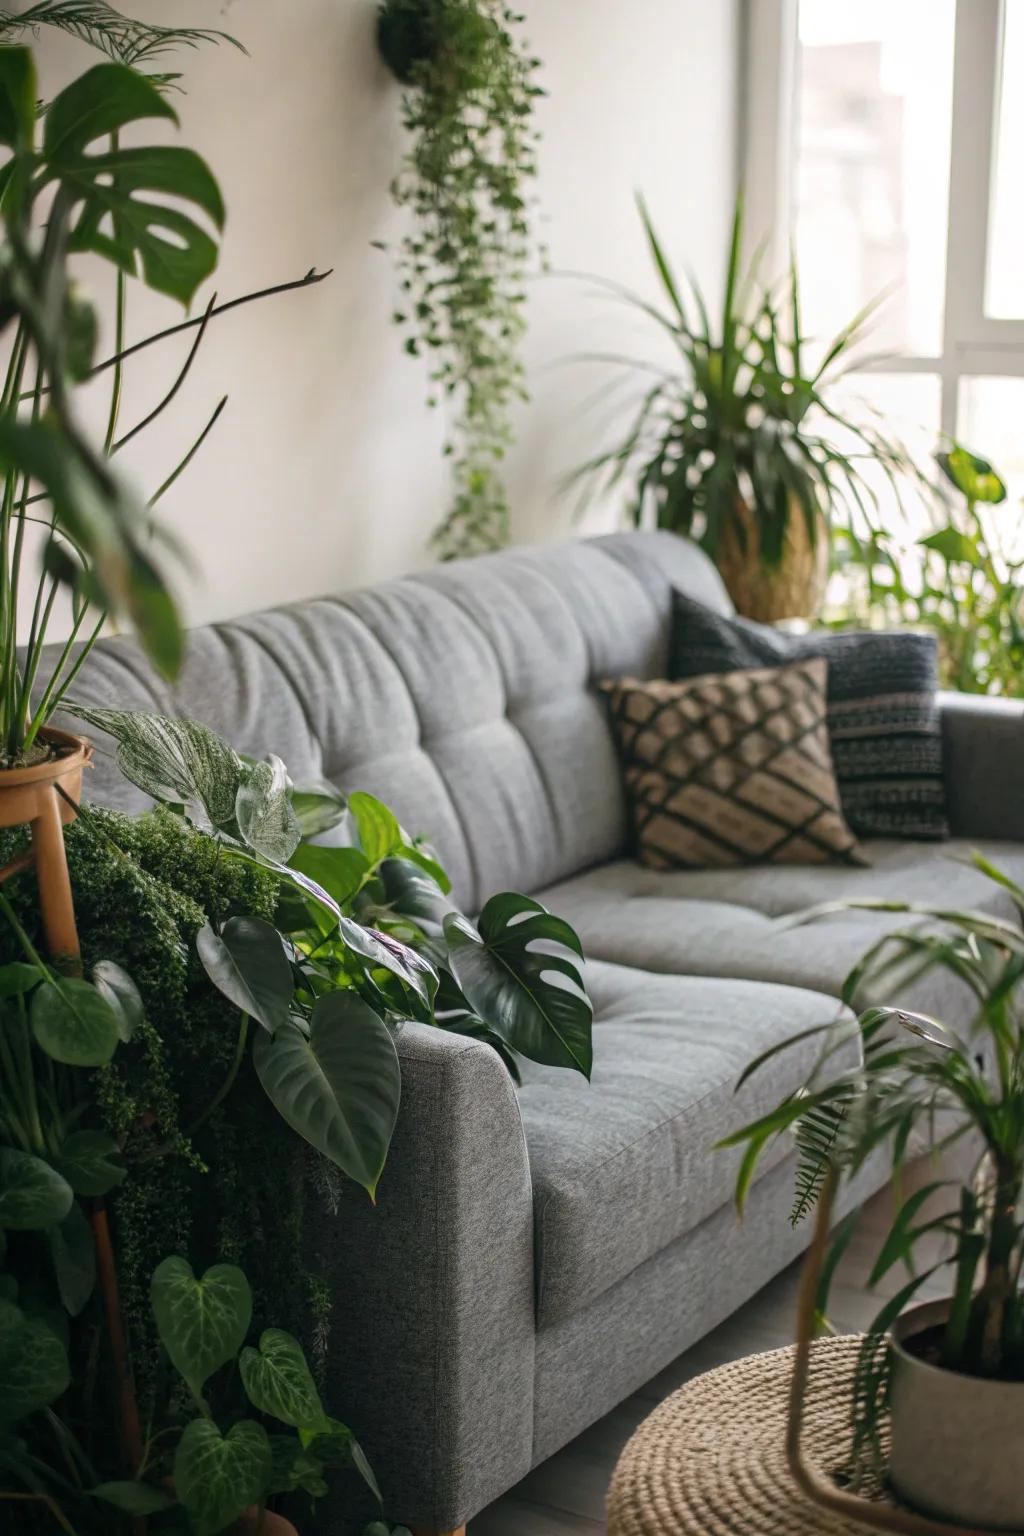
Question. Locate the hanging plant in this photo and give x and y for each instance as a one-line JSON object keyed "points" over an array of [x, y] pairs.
{"points": [[468, 108]]}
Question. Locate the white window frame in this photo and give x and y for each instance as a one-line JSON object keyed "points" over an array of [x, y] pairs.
{"points": [[973, 343]]}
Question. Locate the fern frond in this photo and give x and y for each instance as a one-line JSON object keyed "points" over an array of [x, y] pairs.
{"points": [[120, 37], [815, 1134]]}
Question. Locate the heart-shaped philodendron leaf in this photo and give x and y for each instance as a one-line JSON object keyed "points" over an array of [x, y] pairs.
{"points": [[246, 961], [202, 1323], [34, 1366], [376, 825], [171, 759], [32, 1194], [91, 1162], [73, 1023], [217, 1476], [339, 1087], [277, 1380], [263, 810], [517, 970]]}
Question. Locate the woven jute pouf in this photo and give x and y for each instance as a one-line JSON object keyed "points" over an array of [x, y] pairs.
{"points": [[710, 1461]]}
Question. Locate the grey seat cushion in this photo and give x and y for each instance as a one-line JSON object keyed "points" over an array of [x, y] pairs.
{"points": [[623, 1167], [721, 922]]}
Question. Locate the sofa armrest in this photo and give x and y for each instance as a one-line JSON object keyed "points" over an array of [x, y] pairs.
{"points": [[983, 744], [431, 1360]]}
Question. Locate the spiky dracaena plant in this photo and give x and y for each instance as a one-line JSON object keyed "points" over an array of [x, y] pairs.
{"points": [[913, 1073]]}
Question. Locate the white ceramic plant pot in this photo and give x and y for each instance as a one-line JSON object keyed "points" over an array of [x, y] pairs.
{"points": [[957, 1441]]}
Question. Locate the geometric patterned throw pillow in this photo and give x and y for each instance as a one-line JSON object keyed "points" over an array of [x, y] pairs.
{"points": [[884, 723], [731, 769]]}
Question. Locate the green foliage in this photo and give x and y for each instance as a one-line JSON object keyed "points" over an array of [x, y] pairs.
{"points": [[963, 580], [102, 26], [742, 418], [99, 199], [202, 1322], [467, 109], [916, 1073], [502, 968]]}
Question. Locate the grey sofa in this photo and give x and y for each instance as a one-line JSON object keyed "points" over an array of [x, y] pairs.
{"points": [[535, 1256]]}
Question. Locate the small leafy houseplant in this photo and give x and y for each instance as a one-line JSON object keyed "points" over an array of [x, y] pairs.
{"points": [[311, 957], [963, 579], [963, 1358], [740, 443], [467, 108]]}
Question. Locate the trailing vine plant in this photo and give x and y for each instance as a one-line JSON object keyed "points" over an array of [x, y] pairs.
{"points": [[468, 111]]}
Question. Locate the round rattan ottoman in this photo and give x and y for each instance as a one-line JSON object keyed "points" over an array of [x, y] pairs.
{"points": [[710, 1461]]}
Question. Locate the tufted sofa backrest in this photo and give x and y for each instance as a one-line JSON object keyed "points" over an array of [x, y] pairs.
{"points": [[464, 697]]}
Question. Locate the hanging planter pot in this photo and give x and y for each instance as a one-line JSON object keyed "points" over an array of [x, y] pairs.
{"points": [[32, 796], [414, 33]]}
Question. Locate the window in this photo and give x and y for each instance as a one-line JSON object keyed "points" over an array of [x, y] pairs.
{"points": [[884, 137]]}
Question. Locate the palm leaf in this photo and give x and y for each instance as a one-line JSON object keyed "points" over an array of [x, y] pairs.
{"points": [[103, 27]]}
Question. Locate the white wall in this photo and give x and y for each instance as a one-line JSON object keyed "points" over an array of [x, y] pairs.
{"points": [[325, 470]]}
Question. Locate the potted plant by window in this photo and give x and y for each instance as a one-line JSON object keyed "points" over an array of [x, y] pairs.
{"points": [[950, 1373], [741, 442]]}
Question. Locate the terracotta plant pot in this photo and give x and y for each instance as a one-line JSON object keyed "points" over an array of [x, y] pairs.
{"points": [[29, 797], [792, 589], [250, 1524], [957, 1441]]}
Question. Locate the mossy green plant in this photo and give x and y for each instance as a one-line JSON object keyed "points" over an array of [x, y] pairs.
{"points": [[232, 1183]]}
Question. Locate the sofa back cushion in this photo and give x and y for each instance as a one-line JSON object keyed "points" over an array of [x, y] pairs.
{"points": [[464, 697]]}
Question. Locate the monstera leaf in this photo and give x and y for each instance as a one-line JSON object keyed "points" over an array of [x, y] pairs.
{"points": [[144, 208], [517, 970], [111, 189], [337, 1086], [202, 1322]]}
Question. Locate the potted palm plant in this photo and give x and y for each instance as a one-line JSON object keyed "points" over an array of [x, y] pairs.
{"points": [[741, 443], [949, 1374]]}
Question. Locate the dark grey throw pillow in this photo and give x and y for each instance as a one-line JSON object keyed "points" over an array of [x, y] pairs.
{"points": [[883, 714]]}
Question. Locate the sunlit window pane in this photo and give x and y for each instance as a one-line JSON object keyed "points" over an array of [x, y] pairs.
{"points": [[990, 418], [872, 169], [906, 408], [1005, 296]]}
